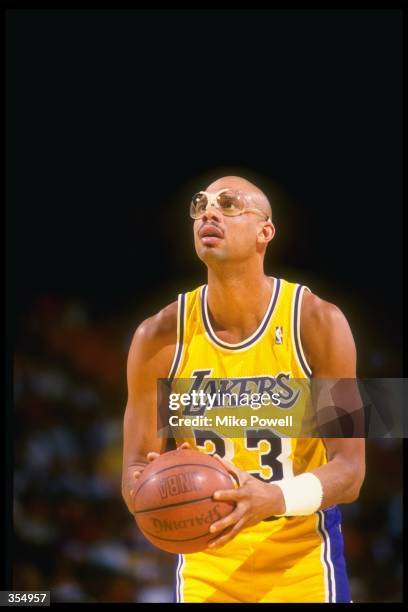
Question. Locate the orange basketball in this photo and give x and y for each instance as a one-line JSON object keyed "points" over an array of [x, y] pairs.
{"points": [[173, 500]]}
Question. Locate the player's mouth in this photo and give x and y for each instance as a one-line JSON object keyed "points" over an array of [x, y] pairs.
{"points": [[210, 234]]}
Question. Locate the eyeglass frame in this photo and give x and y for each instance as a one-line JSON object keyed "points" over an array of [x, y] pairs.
{"points": [[212, 201]]}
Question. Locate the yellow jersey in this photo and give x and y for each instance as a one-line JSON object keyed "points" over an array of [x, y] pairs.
{"points": [[287, 559]]}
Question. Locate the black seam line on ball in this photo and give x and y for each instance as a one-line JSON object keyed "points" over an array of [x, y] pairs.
{"points": [[176, 541], [172, 467], [192, 501]]}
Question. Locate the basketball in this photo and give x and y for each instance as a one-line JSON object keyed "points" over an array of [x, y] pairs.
{"points": [[173, 500]]}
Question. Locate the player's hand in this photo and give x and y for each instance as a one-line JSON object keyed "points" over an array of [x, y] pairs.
{"points": [[255, 501], [151, 457]]}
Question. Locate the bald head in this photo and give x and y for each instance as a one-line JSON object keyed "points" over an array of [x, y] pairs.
{"points": [[258, 197]]}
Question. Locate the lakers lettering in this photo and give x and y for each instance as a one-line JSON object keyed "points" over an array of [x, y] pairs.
{"points": [[229, 391]]}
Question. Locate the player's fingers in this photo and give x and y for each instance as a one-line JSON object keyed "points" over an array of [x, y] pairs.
{"points": [[136, 474], [234, 471], [239, 476], [184, 446], [225, 463], [227, 521], [152, 456], [228, 495], [215, 541], [228, 535]]}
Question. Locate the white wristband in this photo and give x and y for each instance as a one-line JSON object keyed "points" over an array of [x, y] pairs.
{"points": [[302, 494]]}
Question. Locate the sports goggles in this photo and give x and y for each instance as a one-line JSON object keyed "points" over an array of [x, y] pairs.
{"points": [[231, 203]]}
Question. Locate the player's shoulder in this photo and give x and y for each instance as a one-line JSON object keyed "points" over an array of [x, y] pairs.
{"points": [[326, 337], [159, 324], [318, 313], [156, 332], [322, 324]]}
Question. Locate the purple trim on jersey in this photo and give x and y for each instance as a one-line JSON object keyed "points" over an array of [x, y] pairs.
{"points": [[333, 522], [245, 343], [181, 336], [329, 527], [324, 535], [177, 582], [304, 365]]}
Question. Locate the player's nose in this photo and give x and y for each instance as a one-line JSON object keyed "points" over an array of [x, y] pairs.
{"points": [[212, 213]]}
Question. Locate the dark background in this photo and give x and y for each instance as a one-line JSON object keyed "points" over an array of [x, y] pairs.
{"points": [[113, 119]]}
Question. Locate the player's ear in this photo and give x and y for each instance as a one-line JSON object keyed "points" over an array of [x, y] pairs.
{"points": [[266, 232]]}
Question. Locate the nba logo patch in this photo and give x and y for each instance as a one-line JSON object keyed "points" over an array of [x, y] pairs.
{"points": [[278, 334]]}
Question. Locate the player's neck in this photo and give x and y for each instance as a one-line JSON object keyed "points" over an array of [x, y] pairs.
{"points": [[238, 299]]}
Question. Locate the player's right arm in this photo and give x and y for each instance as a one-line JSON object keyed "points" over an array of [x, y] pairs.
{"points": [[150, 357]]}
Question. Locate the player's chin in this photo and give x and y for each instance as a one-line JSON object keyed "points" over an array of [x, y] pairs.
{"points": [[210, 252]]}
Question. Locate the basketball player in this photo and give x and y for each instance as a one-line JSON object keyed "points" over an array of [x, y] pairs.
{"points": [[283, 540]]}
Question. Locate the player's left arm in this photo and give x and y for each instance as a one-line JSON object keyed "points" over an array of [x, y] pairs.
{"points": [[329, 347], [330, 350]]}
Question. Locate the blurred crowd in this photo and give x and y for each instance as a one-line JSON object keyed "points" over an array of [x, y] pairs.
{"points": [[73, 534]]}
